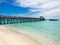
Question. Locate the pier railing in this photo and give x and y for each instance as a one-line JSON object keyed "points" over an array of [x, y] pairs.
{"points": [[16, 19]]}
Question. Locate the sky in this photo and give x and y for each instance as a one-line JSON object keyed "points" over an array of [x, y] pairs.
{"points": [[31, 8]]}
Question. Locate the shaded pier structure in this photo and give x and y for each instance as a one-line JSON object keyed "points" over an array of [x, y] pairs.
{"points": [[16, 19]]}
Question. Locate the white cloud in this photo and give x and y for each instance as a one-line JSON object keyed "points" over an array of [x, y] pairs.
{"points": [[47, 7], [48, 14], [50, 5], [52, 12], [30, 3]]}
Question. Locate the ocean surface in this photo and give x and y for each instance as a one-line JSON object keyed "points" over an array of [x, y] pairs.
{"points": [[45, 32]]}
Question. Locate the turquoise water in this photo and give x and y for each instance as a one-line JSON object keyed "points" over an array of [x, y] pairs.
{"points": [[46, 32]]}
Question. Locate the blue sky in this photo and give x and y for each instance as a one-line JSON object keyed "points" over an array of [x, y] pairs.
{"points": [[32, 8], [6, 8]]}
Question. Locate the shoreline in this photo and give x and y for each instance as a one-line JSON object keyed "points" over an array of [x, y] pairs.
{"points": [[10, 37]]}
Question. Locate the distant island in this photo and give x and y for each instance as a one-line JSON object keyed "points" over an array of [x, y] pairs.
{"points": [[53, 19]]}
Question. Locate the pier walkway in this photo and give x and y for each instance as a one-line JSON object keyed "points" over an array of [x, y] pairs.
{"points": [[16, 19]]}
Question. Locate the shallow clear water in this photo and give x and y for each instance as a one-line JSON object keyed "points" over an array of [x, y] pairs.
{"points": [[46, 32]]}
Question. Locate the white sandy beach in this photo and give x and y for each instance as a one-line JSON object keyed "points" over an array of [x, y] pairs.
{"points": [[18, 36], [9, 37]]}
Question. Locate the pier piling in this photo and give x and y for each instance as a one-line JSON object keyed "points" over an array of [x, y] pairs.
{"points": [[15, 19]]}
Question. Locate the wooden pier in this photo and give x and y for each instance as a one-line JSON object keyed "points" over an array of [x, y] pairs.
{"points": [[16, 19]]}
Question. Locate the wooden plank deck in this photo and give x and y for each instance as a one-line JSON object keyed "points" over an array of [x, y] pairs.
{"points": [[16, 19]]}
